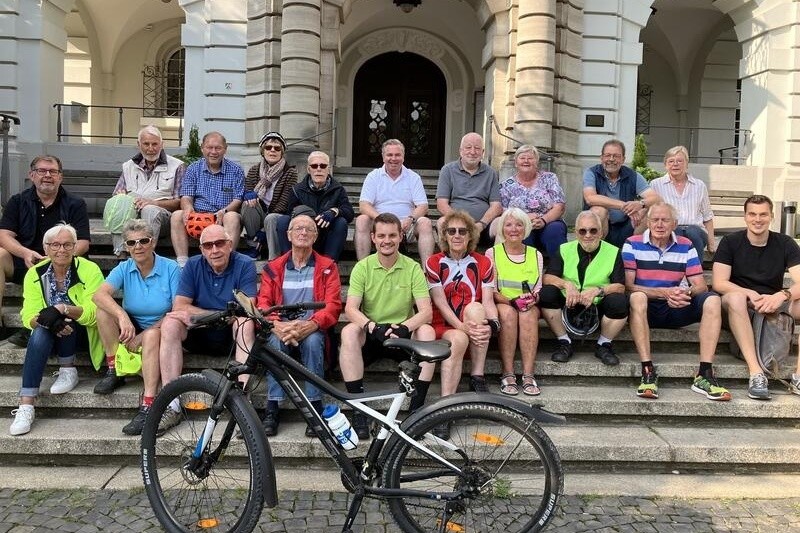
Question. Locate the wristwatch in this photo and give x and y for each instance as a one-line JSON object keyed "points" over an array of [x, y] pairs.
{"points": [[601, 293], [788, 294]]}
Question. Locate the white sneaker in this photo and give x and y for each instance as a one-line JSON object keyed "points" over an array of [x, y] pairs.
{"points": [[66, 381], [22, 421]]}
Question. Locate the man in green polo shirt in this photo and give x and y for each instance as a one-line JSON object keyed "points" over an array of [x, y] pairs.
{"points": [[384, 288]]}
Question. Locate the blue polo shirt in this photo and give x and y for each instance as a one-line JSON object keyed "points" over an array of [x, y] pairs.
{"points": [[213, 191], [148, 299], [212, 291]]}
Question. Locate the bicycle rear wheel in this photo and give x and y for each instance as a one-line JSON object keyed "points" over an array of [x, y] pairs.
{"points": [[511, 475], [220, 492]]}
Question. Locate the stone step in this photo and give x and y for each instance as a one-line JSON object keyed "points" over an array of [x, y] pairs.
{"points": [[598, 447]]}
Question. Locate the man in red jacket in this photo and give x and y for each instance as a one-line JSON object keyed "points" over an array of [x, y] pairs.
{"points": [[300, 275]]}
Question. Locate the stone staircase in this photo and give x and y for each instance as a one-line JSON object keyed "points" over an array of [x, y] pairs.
{"points": [[608, 428]]}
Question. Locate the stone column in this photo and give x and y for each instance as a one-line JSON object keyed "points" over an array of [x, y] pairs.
{"points": [[496, 67], [611, 57], [263, 98], [215, 38], [535, 63], [330, 57], [300, 71]]}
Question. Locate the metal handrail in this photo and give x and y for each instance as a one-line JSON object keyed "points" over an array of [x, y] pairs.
{"points": [[311, 137], [743, 133], [120, 125], [546, 157], [5, 170]]}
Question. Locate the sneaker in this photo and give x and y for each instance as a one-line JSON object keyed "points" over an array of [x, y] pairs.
{"points": [[109, 383], [66, 381], [563, 353], [135, 426], [169, 419], [23, 418], [442, 431], [361, 425], [794, 386], [478, 384], [271, 421], [759, 387], [648, 388], [605, 352], [252, 252], [310, 432], [20, 338], [710, 387]]}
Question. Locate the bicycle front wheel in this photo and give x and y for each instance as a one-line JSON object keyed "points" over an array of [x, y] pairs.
{"points": [[510, 481], [220, 490]]}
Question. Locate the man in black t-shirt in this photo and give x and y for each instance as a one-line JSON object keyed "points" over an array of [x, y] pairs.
{"points": [[28, 215], [748, 272]]}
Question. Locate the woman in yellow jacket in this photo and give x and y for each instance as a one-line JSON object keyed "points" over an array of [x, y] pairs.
{"points": [[58, 308]]}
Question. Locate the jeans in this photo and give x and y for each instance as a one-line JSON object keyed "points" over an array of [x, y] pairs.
{"points": [[330, 241], [697, 235], [312, 354], [41, 344], [548, 239]]}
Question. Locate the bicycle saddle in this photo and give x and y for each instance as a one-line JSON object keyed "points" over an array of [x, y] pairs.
{"points": [[423, 351]]}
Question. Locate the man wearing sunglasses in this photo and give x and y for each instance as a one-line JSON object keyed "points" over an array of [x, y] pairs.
{"points": [[586, 271], [26, 218], [154, 179], [324, 199], [207, 284], [394, 189]]}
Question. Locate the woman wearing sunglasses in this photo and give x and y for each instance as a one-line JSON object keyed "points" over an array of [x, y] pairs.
{"points": [[148, 283], [518, 278], [587, 271], [539, 194], [267, 188], [461, 283], [57, 306], [320, 196]]}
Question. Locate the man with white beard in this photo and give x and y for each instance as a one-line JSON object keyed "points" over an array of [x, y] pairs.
{"points": [[154, 179]]}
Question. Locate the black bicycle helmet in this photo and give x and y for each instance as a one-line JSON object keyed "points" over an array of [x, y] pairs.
{"points": [[580, 320]]}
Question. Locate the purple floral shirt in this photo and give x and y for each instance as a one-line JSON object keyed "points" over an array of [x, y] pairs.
{"points": [[539, 199]]}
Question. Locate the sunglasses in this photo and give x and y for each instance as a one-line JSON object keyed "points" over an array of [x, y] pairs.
{"points": [[590, 231], [453, 231], [271, 148], [315, 166], [207, 246], [144, 241]]}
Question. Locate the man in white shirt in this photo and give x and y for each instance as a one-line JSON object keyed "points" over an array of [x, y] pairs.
{"points": [[395, 189]]}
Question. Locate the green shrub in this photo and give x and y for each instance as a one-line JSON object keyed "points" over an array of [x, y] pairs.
{"points": [[639, 162], [193, 152]]}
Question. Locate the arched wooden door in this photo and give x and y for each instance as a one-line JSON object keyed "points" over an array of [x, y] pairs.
{"points": [[402, 96]]}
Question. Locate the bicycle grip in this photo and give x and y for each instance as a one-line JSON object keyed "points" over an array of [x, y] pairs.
{"points": [[208, 318], [302, 306]]}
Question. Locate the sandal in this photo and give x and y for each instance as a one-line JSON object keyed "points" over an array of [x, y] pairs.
{"points": [[508, 384], [529, 385]]}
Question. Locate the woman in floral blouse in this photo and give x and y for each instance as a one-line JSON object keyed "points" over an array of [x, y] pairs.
{"points": [[539, 194]]}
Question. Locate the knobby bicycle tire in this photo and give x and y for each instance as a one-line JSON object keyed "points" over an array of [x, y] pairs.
{"points": [[511, 463], [229, 498]]}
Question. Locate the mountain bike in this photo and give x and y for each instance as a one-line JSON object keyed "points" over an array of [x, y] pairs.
{"points": [[499, 471]]}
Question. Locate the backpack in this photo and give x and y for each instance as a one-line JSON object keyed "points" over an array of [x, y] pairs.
{"points": [[773, 336], [119, 209]]}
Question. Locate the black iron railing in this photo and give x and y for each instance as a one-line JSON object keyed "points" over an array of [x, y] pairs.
{"points": [[5, 171], [121, 133], [545, 158]]}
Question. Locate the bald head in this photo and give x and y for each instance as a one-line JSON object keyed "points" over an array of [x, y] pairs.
{"points": [[471, 151]]}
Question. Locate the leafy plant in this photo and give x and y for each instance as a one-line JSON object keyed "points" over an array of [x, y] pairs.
{"points": [[639, 162], [193, 152]]}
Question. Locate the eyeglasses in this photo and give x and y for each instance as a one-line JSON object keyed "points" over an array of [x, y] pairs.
{"points": [[144, 241], [590, 231], [47, 171], [301, 229], [453, 231], [59, 245], [272, 148], [613, 157], [208, 246], [315, 166]]}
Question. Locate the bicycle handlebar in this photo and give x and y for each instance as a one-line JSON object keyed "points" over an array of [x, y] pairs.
{"points": [[236, 309]]}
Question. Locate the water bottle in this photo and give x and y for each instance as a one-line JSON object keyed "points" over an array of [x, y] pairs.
{"points": [[340, 426]]}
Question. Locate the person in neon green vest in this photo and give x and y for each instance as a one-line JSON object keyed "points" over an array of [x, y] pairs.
{"points": [[518, 279], [587, 271]]}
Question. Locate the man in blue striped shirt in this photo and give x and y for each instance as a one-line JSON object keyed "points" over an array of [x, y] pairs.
{"points": [[212, 184], [668, 290]]}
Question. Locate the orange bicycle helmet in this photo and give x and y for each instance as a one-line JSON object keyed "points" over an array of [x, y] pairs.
{"points": [[197, 222]]}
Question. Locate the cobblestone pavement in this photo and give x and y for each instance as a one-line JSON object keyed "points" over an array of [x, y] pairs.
{"points": [[85, 511]]}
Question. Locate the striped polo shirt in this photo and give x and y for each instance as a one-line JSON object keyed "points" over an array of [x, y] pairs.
{"points": [[655, 267]]}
